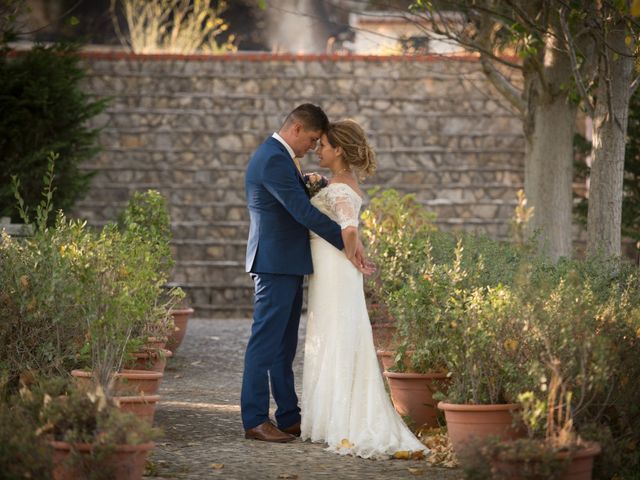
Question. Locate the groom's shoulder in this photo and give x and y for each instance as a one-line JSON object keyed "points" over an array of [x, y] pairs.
{"points": [[271, 145], [270, 148]]}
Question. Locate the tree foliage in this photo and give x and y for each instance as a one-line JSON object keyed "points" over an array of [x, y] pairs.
{"points": [[43, 110], [579, 52]]}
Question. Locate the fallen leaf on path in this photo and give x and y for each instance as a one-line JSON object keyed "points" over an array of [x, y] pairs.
{"points": [[436, 440], [288, 476], [402, 455], [417, 455], [217, 466], [415, 471], [196, 363], [344, 443]]}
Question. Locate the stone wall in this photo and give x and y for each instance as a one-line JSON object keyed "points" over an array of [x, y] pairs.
{"points": [[187, 126]]}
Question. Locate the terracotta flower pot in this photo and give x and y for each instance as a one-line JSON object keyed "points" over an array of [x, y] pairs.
{"points": [[127, 461], [575, 466], [412, 395], [128, 382], [383, 334], [466, 422], [150, 360], [142, 406], [180, 319], [138, 381], [385, 357], [156, 343]]}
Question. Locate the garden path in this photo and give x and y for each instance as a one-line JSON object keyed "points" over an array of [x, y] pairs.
{"points": [[203, 436]]}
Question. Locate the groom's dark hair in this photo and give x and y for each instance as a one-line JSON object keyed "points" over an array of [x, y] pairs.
{"points": [[310, 115]]}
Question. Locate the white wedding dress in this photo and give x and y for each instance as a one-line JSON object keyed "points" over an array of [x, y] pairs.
{"points": [[344, 402]]}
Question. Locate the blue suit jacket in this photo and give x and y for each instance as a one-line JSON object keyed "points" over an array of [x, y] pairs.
{"points": [[281, 215]]}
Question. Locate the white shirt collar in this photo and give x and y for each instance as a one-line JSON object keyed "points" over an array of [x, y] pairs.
{"points": [[286, 145]]}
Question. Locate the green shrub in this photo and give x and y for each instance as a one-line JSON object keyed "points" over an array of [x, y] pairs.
{"points": [[146, 216], [42, 110], [41, 325], [145, 222], [393, 228], [580, 322], [71, 297], [58, 410], [23, 454]]}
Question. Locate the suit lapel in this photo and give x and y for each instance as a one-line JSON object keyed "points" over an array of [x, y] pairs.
{"points": [[284, 150]]}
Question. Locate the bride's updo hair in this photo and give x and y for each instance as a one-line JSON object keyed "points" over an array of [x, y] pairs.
{"points": [[358, 154]]}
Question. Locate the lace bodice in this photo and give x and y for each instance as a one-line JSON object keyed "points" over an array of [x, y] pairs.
{"points": [[340, 203]]}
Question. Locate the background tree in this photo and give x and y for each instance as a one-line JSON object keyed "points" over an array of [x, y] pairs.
{"points": [[524, 36], [631, 199], [631, 183], [605, 94], [571, 52], [43, 110]]}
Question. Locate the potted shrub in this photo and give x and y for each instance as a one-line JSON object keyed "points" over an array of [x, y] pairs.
{"points": [[23, 454], [121, 286], [41, 330], [146, 218], [486, 357], [487, 361], [89, 435], [391, 226], [419, 362], [552, 449], [581, 322], [117, 284]]}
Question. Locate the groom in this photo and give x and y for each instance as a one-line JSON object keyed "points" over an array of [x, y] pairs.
{"points": [[278, 257]]}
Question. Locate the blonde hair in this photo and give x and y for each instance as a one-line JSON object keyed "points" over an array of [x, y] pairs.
{"points": [[358, 154]]}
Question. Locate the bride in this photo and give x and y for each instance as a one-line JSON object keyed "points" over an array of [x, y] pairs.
{"points": [[344, 402]]}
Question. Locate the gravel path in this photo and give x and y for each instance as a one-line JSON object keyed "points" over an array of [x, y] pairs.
{"points": [[203, 435]]}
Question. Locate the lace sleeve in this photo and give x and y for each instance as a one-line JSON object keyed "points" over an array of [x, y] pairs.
{"points": [[346, 209]]}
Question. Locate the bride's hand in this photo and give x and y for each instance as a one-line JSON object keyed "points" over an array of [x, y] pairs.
{"points": [[360, 261]]}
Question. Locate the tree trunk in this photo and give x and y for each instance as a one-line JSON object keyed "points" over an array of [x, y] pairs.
{"points": [[549, 126], [609, 132], [549, 176]]}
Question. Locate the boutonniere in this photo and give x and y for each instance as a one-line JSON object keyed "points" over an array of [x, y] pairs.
{"points": [[315, 182]]}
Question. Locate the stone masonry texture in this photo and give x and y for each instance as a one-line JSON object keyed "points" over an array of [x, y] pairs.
{"points": [[187, 126]]}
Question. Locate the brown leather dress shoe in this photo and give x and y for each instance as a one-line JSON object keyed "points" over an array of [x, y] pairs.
{"points": [[292, 429], [267, 432]]}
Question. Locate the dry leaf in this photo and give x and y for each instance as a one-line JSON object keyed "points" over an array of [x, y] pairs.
{"points": [[441, 452], [402, 455], [417, 455], [416, 471], [288, 476], [217, 466], [344, 443]]}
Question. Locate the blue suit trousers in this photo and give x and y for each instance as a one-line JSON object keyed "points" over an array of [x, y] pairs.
{"points": [[271, 350]]}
